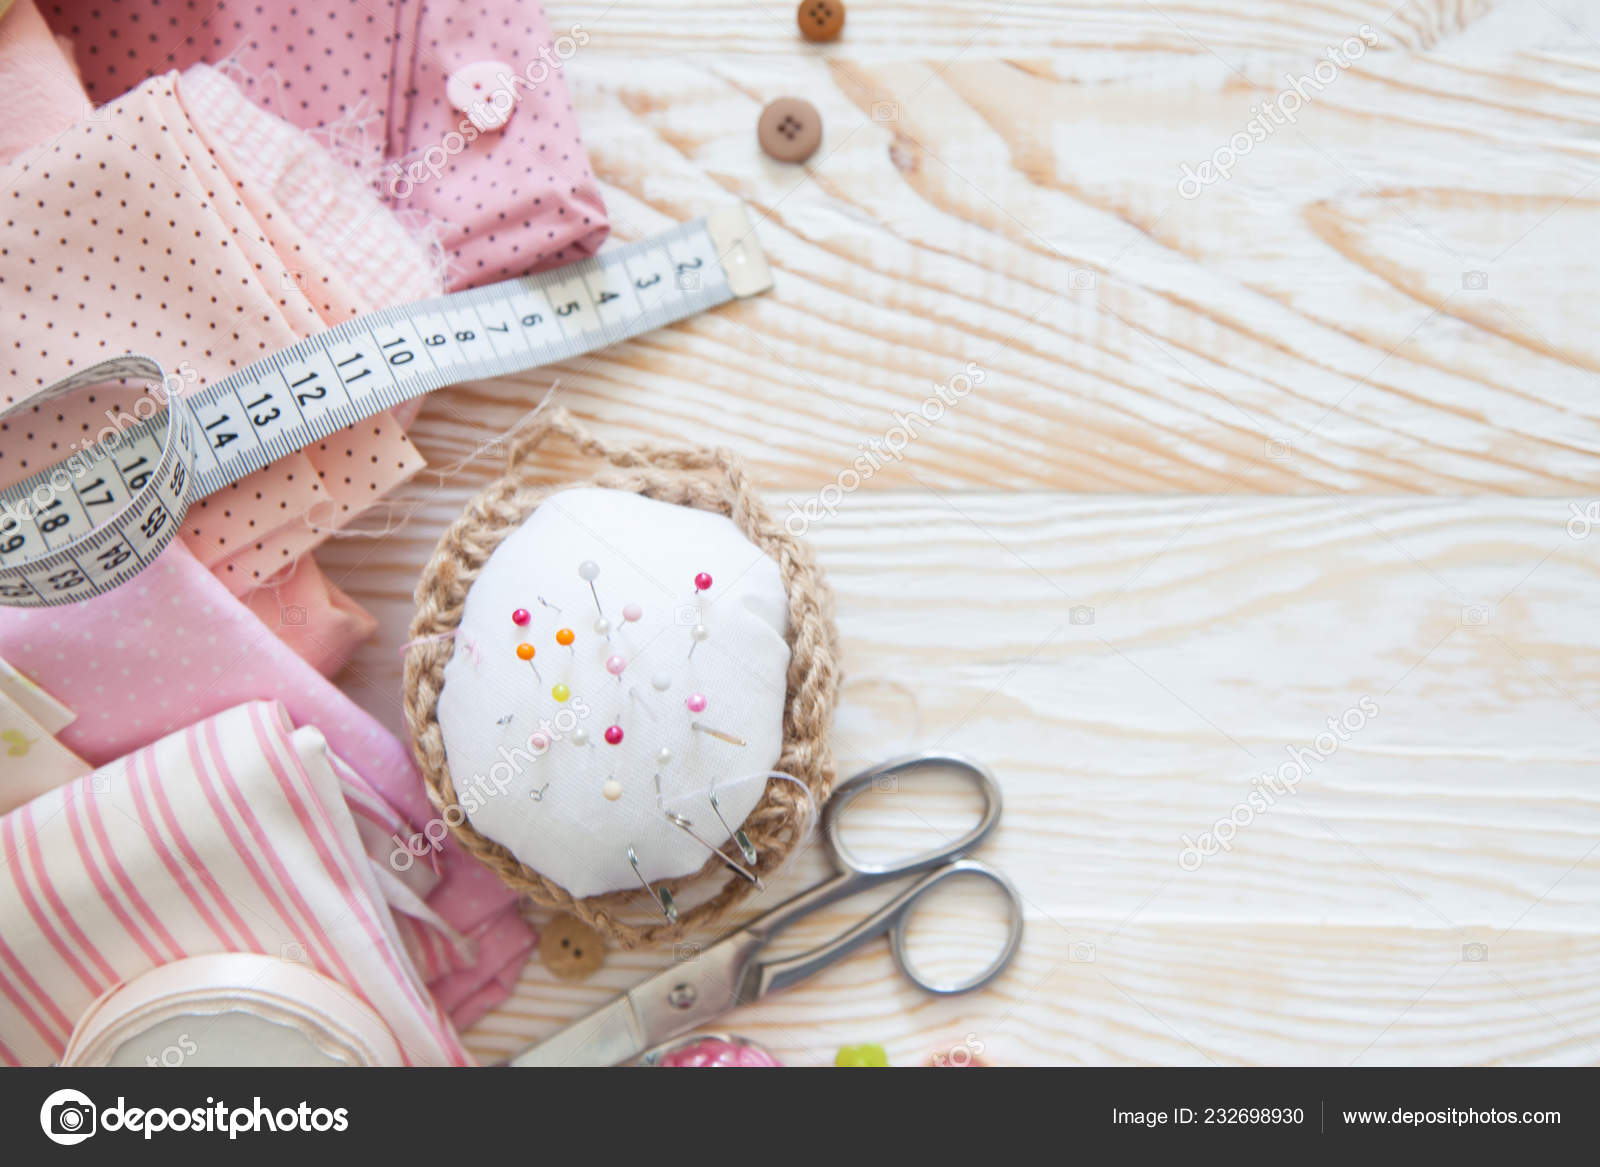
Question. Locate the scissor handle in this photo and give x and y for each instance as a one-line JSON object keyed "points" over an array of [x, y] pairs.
{"points": [[873, 778], [894, 918], [897, 936]]}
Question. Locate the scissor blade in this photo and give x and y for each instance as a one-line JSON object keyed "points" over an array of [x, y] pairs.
{"points": [[664, 1006], [609, 1036]]}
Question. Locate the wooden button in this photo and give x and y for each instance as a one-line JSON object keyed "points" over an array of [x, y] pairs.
{"points": [[790, 130], [570, 949], [820, 20]]}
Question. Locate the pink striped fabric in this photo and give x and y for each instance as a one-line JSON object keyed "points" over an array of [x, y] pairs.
{"points": [[234, 835]]}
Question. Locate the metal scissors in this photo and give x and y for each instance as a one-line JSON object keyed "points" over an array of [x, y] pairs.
{"points": [[732, 971]]}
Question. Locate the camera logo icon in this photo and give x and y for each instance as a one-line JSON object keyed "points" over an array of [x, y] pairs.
{"points": [[1474, 953], [1474, 281], [1081, 614], [68, 1117]]}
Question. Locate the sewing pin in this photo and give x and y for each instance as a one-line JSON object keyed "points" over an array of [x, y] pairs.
{"points": [[565, 637], [661, 682], [548, 604], [699, 634], [521, 617], [660, 802], [525, 652], [687, 828], [631, 614], [615, 663], [702, 583], [663, 897], [612, 789], [506, 720], [614, 735], [538, 795], [602, 628], [580, 736], [589, 571], [746, 847], [717, 733]]}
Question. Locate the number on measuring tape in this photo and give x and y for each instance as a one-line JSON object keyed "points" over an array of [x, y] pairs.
{"points": [[96, 520]]}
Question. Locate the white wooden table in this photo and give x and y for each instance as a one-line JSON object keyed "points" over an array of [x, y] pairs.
{"points": [[1238, 463]]}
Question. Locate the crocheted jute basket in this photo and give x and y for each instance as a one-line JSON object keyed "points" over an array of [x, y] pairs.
{"points": [[710, 480]]}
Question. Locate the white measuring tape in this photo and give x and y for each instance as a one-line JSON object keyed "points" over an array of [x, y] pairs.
{"points": [[98, 518]]}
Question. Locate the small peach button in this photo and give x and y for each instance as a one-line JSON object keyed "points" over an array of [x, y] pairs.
{"points": [[790, 129]]}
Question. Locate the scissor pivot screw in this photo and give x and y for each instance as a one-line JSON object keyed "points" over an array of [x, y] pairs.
{"points": [[682, 996]]}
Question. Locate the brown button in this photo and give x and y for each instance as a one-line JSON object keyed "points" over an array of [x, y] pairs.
{"points": [[570, 949], [790, 130], [820, 20]]}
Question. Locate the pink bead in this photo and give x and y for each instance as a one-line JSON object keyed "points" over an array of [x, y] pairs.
{"points": [[521, 617], [614, 734], [696, 703], [615, 665], [633, 613], [702, 582], [714, 1053], [539, 741]]}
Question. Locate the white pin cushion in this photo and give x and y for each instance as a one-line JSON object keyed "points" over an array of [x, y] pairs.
{"points": [[585, 659]]}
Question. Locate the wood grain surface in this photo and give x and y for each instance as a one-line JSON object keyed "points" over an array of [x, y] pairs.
{"points": [[1324, 433]]}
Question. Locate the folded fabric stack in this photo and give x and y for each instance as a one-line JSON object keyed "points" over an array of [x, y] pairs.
{"points": [[193, 214], [238, 834]]}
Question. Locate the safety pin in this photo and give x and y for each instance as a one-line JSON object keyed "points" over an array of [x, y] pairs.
{"points": [[687, 828], [746, 847], [663, 897]]}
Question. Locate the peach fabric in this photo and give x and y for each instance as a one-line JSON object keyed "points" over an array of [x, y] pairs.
{"points": [[39, 79], [518, 199]]}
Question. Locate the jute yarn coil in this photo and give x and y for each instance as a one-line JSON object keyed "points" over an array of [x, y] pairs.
{"points": [[708, 479]]}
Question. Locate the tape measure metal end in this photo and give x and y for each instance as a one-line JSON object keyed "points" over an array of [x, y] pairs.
{"points": [[740, 251]]}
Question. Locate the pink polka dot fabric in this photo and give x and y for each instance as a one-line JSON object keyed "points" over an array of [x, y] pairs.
{"points": [[182, 221], [519, 199]]}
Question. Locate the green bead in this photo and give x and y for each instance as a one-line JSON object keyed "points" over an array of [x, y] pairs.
{"points": [[867, 1054]]}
